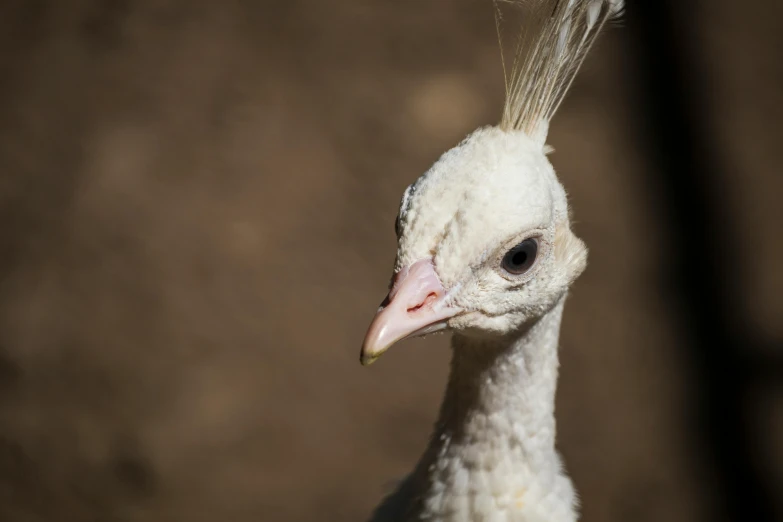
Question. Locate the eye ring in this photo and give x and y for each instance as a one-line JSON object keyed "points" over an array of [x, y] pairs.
{"points": [[521, 258]]}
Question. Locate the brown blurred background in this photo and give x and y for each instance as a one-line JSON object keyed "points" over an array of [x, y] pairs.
{"points": [[196, 225]]}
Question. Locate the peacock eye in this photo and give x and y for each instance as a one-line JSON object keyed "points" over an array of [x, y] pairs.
{"points": [[519, 259]]}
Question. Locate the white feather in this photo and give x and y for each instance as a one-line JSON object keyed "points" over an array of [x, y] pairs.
{"points": [[553, 41]]}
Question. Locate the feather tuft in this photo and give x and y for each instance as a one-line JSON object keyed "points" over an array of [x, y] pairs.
{"points": [[552, 44]]}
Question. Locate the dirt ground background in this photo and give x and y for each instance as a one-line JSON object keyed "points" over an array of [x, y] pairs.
{"points": [[196, 225]]}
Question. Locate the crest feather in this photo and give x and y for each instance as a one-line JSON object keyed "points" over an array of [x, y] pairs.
{"points": [[553, 41]]}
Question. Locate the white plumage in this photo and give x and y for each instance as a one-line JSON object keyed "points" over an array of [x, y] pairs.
{"points": [[485, 250]]}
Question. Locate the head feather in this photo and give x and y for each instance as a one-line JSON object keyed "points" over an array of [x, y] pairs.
{"points": [[553, 41]]}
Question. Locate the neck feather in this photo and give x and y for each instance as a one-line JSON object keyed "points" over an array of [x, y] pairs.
{"points": [[493, 448]]}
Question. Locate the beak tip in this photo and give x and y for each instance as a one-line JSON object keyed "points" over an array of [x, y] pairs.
{"points": [[367, 358]]}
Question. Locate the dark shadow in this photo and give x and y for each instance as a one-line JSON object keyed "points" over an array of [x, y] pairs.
{"points": [[102, 27], [10, 372], [134, 472], [724, 357]]}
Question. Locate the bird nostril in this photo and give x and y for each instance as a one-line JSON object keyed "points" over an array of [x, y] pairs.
{"points": [[427, 300]]}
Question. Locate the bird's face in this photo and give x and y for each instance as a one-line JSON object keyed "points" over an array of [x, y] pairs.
{"points": [[484, 244]]}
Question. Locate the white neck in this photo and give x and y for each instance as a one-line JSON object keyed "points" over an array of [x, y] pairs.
{"points": [[492, 454]]}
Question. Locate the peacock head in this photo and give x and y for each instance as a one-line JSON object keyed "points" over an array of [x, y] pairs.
{"points": [[484, 244]]}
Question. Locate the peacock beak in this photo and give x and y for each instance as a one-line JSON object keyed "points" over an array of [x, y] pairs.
{"points": [[416, 305]]}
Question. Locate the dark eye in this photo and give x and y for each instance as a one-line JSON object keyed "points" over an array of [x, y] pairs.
{"points": [[519, 259], [397, 228]]}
